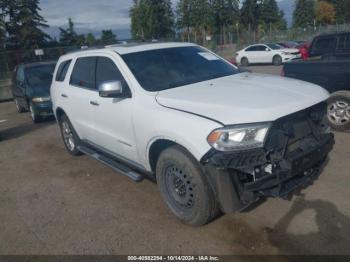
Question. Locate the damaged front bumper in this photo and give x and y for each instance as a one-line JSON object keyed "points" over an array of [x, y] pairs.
{"points": [[296, 148]]}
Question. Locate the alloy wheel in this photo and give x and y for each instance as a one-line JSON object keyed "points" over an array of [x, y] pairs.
{"points": [[68, 136], [339, 113]]}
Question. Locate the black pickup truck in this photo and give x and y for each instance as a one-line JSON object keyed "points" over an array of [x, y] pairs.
{"points": [[329, 67]]}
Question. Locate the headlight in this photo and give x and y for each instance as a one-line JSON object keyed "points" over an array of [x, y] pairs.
{"points": [[239, 137], [41, 99]]}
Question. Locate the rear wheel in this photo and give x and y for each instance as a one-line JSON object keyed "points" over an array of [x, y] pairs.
{"points": [[185, 188], [277, 60], [338, 112], [20, 109], [69, 136], [244, 61]]}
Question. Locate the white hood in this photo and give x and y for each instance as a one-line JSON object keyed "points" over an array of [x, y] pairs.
{"points": [[288, 50], [244, 98]]}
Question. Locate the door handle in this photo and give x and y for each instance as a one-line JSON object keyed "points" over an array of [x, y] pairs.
{"points": [[64, 95], [94, 103]]}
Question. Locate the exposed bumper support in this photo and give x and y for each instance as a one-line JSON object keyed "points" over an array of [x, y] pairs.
{"points": [[292, 157]]}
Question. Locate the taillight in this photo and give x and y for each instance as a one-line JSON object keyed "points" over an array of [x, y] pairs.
{"points": [[282, 72]]}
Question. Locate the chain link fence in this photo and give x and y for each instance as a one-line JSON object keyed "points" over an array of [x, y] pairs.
{"points": [[224, 44]]}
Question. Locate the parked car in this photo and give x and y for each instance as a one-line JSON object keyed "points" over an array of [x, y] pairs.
{"points": [[331, 46], [213, 138], [31, 89], [267, 54], [332, 72]]}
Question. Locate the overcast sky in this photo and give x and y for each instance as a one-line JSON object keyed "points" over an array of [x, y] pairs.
{"points": [[95, 15]]}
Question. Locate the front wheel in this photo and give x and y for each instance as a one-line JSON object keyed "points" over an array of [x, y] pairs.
{"points": [[277, 60], [185, 188], [338, 113], [34, 115], [244, 62]]}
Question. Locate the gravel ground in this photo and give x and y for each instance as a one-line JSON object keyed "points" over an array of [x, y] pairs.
{"points": [[53, 203]]}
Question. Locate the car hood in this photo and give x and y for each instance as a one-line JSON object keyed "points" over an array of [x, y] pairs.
{"points": [[40, 91], [288, 50], [243, 98]]}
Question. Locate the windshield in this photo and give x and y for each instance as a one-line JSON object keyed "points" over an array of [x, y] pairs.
{"points": [[40, 76], [162, 69], [274, 46]]}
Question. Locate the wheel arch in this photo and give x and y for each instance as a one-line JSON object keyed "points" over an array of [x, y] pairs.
{"points": [[59, 112], [345, 93], [157, 146]]}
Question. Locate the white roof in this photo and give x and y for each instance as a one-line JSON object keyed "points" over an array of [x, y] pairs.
{"points": [[133, 48], [126, 48]]}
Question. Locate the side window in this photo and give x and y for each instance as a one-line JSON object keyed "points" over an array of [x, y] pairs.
{"points": [[344, 42], [325, 44], [83, 74], [107, 70], [62, 70], [261, 48], [250, 49]]}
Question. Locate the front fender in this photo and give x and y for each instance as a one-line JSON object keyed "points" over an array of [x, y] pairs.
{"points": [[186, 129]]}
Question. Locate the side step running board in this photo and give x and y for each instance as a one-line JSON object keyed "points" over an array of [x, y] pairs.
{"points": [[115, 165]]}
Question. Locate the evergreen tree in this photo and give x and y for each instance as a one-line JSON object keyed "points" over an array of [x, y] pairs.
{"points": [[271, 17], [304, 13], [9, 10], [185, 19], [68, 37], [250, 14], [30, 34], [225, 14], [90, 39], [23, 23], [108, 38], [152, 19]]}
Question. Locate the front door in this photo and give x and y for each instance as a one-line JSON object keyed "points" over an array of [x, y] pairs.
{"points": [[113, 117]]}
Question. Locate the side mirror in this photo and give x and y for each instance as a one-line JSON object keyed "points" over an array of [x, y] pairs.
{"points": [[111, 89], [267, 49]]}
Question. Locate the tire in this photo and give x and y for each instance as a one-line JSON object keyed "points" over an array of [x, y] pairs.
{"points": [[20, 109], [338, 111], [185, 188], [34, 115], [244, 62], [70, 138], [277, 60]]}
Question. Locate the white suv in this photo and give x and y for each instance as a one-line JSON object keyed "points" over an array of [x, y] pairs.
{"points": [[212, 137]]}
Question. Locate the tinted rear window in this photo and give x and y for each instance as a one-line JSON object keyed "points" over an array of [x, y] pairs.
{"points": [[62, 70], [326, 44], [83, 74]]}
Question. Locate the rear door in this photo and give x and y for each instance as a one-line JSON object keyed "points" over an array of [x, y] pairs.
{"points": [[77, 94]]}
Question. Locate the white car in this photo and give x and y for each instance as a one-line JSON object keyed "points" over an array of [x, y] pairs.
{"points": [[266, 54], [212, 137]]}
